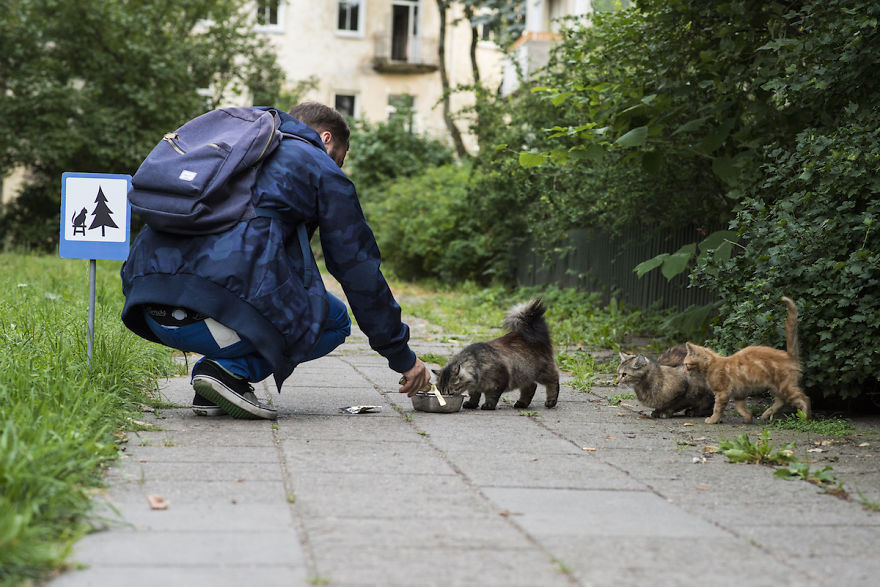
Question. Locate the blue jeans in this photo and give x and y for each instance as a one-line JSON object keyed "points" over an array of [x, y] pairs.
{"points": [[241, 357]]}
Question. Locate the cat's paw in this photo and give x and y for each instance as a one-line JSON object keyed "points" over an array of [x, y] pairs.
{"points": [[521, 404], [713, 420], [550, 403], [470, 405], [487, 407]]}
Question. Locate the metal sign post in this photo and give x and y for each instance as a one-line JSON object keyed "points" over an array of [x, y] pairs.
{"points": [[95, 220]]}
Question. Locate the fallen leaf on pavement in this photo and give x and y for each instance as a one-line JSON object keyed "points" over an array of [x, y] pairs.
{"points": [[589, 449], [688, 424], [703, 487], [710, 449], [157, 502]]}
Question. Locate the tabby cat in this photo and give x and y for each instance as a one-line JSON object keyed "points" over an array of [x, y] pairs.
{"points": [[753, 368], [664, 385], [520, 359]]}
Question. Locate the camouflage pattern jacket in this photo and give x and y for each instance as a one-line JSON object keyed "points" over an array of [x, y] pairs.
{"points": [[254, 279]]}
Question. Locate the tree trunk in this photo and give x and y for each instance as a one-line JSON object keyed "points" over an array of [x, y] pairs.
{"points": [[444, 80]]}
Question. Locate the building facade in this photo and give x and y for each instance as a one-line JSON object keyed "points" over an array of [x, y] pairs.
{"points": [[532, 50], [368, 56]]}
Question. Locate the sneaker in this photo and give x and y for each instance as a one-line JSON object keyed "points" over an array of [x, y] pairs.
{"points": [[233, 394], [205, 407]]}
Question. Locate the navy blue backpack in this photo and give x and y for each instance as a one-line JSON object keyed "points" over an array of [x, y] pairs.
{"points": [[198, 179]]}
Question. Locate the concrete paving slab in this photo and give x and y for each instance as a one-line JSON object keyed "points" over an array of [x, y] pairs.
{"points": [[213, 574], [575, 513], [328, 456], [385, 494], [503, 469], [640, 560], [453, 534], [386, 425], [420, 565]]}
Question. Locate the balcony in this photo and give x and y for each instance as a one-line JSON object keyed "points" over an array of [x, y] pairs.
{"points": [[404, 55]]}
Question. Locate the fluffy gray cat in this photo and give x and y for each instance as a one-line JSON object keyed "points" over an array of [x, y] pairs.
{"points": [[664, 385], [520, 359]]}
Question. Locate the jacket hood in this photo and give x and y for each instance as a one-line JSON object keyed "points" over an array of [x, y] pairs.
{"points": [[294, 126]]}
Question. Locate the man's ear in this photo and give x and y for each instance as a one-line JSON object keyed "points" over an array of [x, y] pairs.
{"points": [[326, 137]]}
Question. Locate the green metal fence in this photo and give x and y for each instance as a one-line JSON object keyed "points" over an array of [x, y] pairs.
{"points": [[601, 262]]}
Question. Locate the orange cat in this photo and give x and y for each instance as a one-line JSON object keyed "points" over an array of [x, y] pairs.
{"points": [[752, 369]]}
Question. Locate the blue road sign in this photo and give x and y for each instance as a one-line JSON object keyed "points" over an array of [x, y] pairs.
{"points": [[95, 216]]}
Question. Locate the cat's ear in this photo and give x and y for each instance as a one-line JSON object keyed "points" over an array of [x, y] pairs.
{"points": [[625, 356], [641, 361], [435, 372], [691, 348]]}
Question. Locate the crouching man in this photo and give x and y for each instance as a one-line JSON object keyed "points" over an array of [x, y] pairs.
{"points": [[250, 299]]}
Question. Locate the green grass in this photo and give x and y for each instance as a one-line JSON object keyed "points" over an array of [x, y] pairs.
{"points": [[825, 426], [575, 318], [62, 419]]}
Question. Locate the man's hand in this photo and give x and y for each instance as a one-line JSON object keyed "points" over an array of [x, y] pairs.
{"points": [[415, 379]]}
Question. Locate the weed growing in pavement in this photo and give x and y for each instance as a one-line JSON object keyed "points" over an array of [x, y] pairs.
{"points": [[830, 426], [614, 400], [528, 413], [873, 506], [63, 416], [291, 497], [801, 470], [742, 450], [433, 358], [584, 369]]}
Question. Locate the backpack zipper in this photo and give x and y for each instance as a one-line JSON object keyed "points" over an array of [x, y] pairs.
{"points": [[170, 138], [269, 142]]}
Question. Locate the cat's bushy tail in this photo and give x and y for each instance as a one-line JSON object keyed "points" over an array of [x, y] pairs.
{"points": [[791, 336], [527, 319]]}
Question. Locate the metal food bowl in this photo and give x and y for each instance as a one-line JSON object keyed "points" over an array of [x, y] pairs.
{"points": [[428, 402]]}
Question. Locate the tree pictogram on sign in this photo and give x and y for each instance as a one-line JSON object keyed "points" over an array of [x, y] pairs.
{"points": [[102, 214]]}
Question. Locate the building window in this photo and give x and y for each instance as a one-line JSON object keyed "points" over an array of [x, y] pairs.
{"points": [[405, 30], [349, 16], [346, 104], [270, 15]]}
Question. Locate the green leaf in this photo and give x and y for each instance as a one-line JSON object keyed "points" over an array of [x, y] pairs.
{"points": [[634, 138], [652, 263], [691, 125], [725, 169], [528, 160], [592, 152], [675, 264], [559, 156], [560, 98], [717, 137]]}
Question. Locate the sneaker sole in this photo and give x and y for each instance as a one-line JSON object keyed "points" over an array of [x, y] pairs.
{"points": [[208, 411], [229, 401]]}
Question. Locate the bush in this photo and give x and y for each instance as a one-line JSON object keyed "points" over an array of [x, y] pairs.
{"points": [[425, 229], [386, 150], [819, 245]]}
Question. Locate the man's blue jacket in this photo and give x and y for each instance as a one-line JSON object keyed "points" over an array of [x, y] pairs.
{"points": [[253, 278]]}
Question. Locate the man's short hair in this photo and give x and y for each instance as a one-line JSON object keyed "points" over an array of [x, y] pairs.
{"points": [[321, 118]]}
